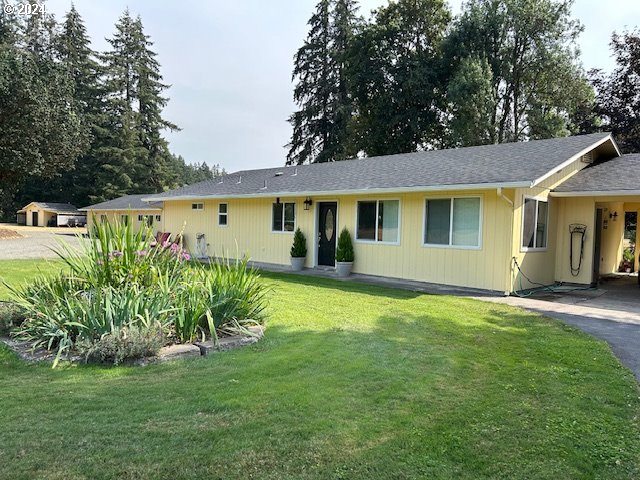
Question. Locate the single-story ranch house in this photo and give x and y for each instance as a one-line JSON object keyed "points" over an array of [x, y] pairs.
{"points": [[46, 214], [127, 209], [477, 217]]}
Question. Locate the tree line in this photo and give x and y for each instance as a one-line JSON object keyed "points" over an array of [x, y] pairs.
{"points": [[78, 125], [414, 77]]}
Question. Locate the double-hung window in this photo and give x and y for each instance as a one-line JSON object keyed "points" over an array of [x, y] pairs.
{"points": [[283, 217], [453, 222], [378, 221], [222, 214], [535, 220]]}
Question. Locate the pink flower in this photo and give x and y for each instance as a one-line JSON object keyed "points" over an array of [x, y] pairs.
{"points": [[117, 254], [141, 253], [166, 244], [153, 243], [186, 256], [174, 248]]}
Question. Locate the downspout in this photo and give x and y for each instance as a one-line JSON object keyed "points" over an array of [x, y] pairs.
{"points": [[501, 194]]}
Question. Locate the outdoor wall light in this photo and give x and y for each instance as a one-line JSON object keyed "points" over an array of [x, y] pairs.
{"points": [[613, 215], [307, 203]]}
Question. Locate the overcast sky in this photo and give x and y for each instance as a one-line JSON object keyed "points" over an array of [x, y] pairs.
{"points": [[229, 64]]}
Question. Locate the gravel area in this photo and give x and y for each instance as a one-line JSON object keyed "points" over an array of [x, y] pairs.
{"points": [[36, 244]]}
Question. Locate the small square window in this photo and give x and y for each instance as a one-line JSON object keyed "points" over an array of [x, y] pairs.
{"points": [[197, 206], [124, 219], [158, 218]]}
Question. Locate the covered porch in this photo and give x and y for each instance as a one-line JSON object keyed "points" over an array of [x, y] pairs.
{"points": [[598, 211]]}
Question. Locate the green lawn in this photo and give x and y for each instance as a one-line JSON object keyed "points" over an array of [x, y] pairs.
{"points": [[352, 382]]}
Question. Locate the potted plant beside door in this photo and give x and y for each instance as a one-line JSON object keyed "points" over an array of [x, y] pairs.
{"points": [[298, 250], [344, 254]]}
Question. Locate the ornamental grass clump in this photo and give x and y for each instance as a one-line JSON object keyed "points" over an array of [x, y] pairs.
{"points": [[121, 289]]}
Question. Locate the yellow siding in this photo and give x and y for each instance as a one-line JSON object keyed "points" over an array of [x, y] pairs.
{"points": [[537, 265], [43, 216], [249, 231], [611, 246], [113, 215], [575, 210], [565, 173]]}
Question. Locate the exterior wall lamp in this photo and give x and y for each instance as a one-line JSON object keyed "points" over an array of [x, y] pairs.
{"points": [[307, 203], [613, 215]]}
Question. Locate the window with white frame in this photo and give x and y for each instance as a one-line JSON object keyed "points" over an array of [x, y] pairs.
{"points": [[197, 206], [453, 221], [283, 217], [222, 214], [535, 219], [148, 219], [378, 221], [158, 218], [124, 219]]}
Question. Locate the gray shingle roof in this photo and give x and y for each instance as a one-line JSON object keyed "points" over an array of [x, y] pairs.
{"points": [[618, 174], [56, 207], [508, 164], [127, 202]]}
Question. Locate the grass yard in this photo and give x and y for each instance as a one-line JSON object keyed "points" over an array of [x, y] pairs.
{"points": [[351, 382]]}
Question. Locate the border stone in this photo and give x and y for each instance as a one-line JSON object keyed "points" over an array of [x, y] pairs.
{"points": [[231, 342], [178, 351]]}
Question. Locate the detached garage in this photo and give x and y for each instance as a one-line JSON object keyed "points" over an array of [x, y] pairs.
{"points": [[43, 214]]}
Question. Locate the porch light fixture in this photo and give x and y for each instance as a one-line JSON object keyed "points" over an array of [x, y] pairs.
{"points": [[307, 203], [613, 215]]}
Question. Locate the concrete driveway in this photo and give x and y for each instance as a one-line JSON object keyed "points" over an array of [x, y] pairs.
{"points": [[611, 313], [36, 242]]}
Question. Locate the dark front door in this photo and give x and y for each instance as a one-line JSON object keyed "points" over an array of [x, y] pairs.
{"points": [[327, 233], [597, 240], [34, 219]]}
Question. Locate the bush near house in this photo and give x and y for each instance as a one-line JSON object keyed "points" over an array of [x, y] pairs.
{"points": [[299, 247], [124, 296], [344, 250]]}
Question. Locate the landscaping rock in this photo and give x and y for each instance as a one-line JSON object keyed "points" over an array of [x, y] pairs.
{"points": [[174, 352], [231, 342]]}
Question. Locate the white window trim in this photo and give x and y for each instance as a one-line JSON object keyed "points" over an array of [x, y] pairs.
{"points": [[535, 230], [226, 214], [449, 245], [376, 241], [158, 218], [295, 219], [197, 209]]}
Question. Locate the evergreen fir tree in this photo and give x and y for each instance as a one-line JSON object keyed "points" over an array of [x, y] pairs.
{"points": [[320, 126]]}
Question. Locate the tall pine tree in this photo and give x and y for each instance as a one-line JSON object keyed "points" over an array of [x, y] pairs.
{"points": [[320, 126]]}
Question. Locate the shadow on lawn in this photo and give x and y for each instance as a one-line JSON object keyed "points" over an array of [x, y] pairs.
{"points": [[350, 286], [416, 393]]}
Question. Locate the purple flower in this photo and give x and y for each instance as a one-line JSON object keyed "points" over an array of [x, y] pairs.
{"points": [[166, 244], [186, 256], [117, 254], [174, 248], [141, 253]]}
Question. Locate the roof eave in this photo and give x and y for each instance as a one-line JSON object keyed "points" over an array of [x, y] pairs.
{"points": [[369, 191], [146, 209], [597, 193], [575, 157]]}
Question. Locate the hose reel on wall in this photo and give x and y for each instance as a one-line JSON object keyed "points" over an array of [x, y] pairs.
{"points": [[577, 233]]}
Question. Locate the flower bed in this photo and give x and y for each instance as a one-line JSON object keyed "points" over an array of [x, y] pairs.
{"points": [[124, 297]]}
